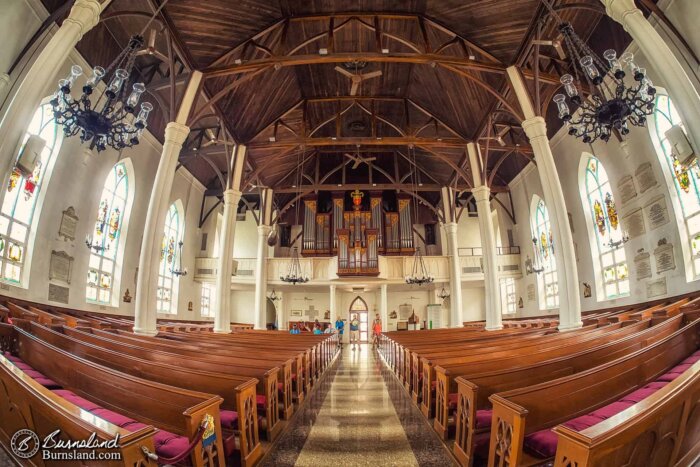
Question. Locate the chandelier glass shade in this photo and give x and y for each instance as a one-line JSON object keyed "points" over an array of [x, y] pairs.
{"points": [[420, 274], [614, 103], [113, 119], [294, 274]]}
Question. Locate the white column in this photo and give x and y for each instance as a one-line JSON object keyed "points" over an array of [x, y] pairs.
{"points": [[384, 306], [332, 304], [567, 273], [659, 55], [488, 245], [84, 15], [222, 311], [176, 132], [261, 260], [455, 276], [4, 82]]}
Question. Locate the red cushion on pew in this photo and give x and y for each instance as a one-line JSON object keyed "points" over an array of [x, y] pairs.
{"points": [[118, 419], [22, 366], [541, 443], [639, 395], [452, 400], [433, 384], [73, 398], [229, 419], [261, 401], [169, 444], [294, 376], [583, 422], [280, 387], [675, 372], [609, 410], [656, 384], [483, 418], [41, 379]]}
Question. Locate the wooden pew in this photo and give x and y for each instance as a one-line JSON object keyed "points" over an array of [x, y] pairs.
{"points": [[524, 411], [178, 411]]}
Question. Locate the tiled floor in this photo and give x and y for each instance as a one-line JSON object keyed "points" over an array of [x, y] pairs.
{"points": [[360, 416]]}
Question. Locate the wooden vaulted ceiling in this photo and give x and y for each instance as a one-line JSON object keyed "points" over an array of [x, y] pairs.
{"points": [[261, 60]]}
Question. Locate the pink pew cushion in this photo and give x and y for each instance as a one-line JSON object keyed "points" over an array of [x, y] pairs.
{"points": [[452, 400], [261, 401], [483, 418], [229, 419], [168, 444], [541, 443]]}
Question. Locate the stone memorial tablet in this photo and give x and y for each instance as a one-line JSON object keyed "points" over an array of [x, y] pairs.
{"points": [[405, 311], [69, 222], [645, 177], [58, 293], [626, 189], [531, 293], [60, 266], [633, 223], [656, 288], [642, 265], [665, 260], [656, 212]]}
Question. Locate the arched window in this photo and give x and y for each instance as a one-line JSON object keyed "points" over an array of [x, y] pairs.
{"points": [[606, 232], [686, 181], [23, 190], [547, 280], [166, 295], [508, 305], [108, 236]]}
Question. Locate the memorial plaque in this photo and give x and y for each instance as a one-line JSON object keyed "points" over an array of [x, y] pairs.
{"points": [[656, 288], [69, 222], [656, 212], [60, 266], [633, 223], [405, 311], [665, 261], [626, 189], [645, 177], [531, 292], [642, 265], [58, 293]]}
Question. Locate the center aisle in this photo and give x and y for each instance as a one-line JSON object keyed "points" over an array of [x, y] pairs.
{"points": [[359, 416]]}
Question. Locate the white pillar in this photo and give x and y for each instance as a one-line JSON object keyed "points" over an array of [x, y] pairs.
{"points": [[488, 246], [176, 132], [4, 82], [41, 78], [455, 276], [659, 55], [384, 306], [222, 311], [332, 304], [567, 273], [222, 317], [261, 260]]}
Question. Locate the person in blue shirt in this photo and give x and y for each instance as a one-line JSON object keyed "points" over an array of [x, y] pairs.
{"points": [[317, 329], [294, 330], [354, 331], [340, 326]]}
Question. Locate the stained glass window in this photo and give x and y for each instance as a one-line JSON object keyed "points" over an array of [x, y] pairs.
{"points": [[686, 180], [22, 191], [105, 236], [608, 250], [205, 304], [547, 279], [166, 294], [508, 296]]}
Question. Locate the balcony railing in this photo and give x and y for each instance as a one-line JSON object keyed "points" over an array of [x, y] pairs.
{"points": [[479, 251]]}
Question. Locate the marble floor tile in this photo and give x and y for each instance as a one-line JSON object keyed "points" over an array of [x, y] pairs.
{"points": [[359, 416]]}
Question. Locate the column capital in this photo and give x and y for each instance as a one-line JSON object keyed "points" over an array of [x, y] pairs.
{"points": [[535, 127], [232, 196], [264, 230], [332, 287], [619, 10], [176, 133], [4, 80], [481, 193], [85, 14], [450, 227]]}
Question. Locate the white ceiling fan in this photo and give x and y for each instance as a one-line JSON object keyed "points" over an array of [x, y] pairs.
{"points": [[357, 78], [359, 159]]}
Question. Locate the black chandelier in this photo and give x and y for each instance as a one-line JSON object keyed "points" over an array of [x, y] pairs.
{"points": [[420, 274], [294, 274], [613, 105], [113, 119], [444, 294], [180, 271]]}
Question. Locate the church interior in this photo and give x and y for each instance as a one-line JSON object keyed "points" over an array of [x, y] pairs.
{"points": [[376, 232]]}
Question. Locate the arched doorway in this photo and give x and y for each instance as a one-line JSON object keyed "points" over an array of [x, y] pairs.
{"points": [[271, 314], [359, 307]]}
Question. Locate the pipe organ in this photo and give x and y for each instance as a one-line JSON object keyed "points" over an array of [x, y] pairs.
{"points": [[360, 234]]}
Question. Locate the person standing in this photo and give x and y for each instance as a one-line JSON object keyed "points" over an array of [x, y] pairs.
{"points": [[340, 326], [354, 331], [376, 330], [294, 330]]}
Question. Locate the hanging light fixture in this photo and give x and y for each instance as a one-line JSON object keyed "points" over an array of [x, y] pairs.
{"points": [[542, 251], [443, 294], [294, 274], [615, 244], [114, 119], [420, 274], [180, 271], [613, 105], [274, 297]]}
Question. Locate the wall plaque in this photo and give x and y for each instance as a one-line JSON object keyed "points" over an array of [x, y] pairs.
{"points": [[531, 292], [642, 265], [656, 212], [633, 223], [60, 266], [69, 222], [405, 311], [656, 288], [626, 189], [645, 177], [58, 293], [665, 261]]}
